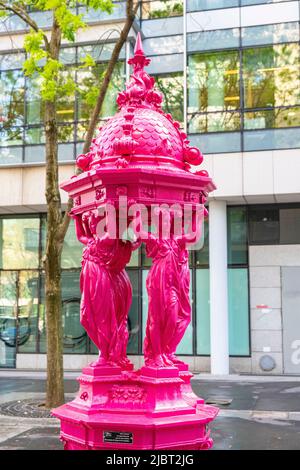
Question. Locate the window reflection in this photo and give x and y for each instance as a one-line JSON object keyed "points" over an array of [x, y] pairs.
{"points": [[270, 34], [28, 311], [237, 235], [198, 5], [72, 249], [161, 8], [214, 122], [12, 98], [34, 104], [19, 243], [8, 318], [214, 82], [89, 81], [271, 76], [172, 88], [274, 118]]}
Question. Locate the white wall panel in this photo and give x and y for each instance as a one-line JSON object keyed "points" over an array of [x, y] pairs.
{"points": [[269, 13]]}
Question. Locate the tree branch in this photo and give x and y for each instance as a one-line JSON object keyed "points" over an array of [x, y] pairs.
{"points": [[21, 13], [131, 10]]}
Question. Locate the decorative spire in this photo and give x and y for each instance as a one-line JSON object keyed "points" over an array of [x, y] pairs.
{"points": [[140, 90]]}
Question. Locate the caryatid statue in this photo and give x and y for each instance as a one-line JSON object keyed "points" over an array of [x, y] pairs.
{"points": [[168, 285], [106, 290]]}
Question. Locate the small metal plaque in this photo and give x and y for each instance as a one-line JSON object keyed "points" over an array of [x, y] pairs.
{"points": [[112, 436]]}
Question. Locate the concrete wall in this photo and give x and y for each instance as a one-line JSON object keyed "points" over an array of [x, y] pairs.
{"points": [[265, 288], [23, 188], [255, 177]]}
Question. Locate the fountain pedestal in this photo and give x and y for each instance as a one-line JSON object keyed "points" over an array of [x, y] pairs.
{"points": [[140, 157], [146, 409]]}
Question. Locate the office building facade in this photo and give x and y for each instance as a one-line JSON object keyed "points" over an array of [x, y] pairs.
{"points": [[230, 73]]}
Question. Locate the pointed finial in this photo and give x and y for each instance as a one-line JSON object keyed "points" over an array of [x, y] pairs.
{"points": [[139, 59], [138, 49]]}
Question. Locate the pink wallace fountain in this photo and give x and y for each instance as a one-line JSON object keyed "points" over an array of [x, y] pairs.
{"points": [[140, 172]]}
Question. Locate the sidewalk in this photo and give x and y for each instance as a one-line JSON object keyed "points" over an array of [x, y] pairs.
{"points": [[264, 412]]}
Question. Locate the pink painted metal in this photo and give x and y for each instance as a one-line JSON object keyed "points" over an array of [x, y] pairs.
{"points": [[106, 291], [139, 157]]}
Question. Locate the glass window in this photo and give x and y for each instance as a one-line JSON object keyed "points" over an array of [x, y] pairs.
{"points": [[163, 45], [11, 61], [161, 9], [172, 88], [214, 82], [209, 40], [35, 135], [12, 98], [43, 18], [66, 133], [289, 219], [67, 55], [238, 310], [257, 2], [91, 16], [28, 311], [154, 28], [270, 34], [34, 104], [11, 155], [19, 242], [65, 152], [72, 249], [237, 235], [133, 324], [272, 118], [271, 76], [272, 139], [34, 153], [145, 260], [89, 78], [10, 136], [8, 318], [198, 5], [202, 312], [217, 143], [168, 63], [214, 122], [263, 225], [99, 52], [186, 345], [12, 23], [66, 104], [75, 339], [202, 256], [134, 260]]}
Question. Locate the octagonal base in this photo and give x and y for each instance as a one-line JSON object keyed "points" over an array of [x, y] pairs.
{"points": [[148, 409]]}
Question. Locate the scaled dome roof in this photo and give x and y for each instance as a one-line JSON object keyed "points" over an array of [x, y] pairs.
{"points": [[140, 133]]}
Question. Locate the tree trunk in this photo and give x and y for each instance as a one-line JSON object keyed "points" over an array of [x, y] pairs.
{"points": [[52, 262]]}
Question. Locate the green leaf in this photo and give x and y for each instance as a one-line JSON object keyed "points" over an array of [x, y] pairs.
{"points": [[68, 88], [104, 5], [87, 61], [29, 66], [33, 41], [68, 22], [48, 90], [91, 96]]}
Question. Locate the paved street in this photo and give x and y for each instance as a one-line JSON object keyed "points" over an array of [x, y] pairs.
{"points": [[264, 413]]}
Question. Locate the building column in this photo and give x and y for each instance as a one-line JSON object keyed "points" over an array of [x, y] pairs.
{"points": [[219, 343]]}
